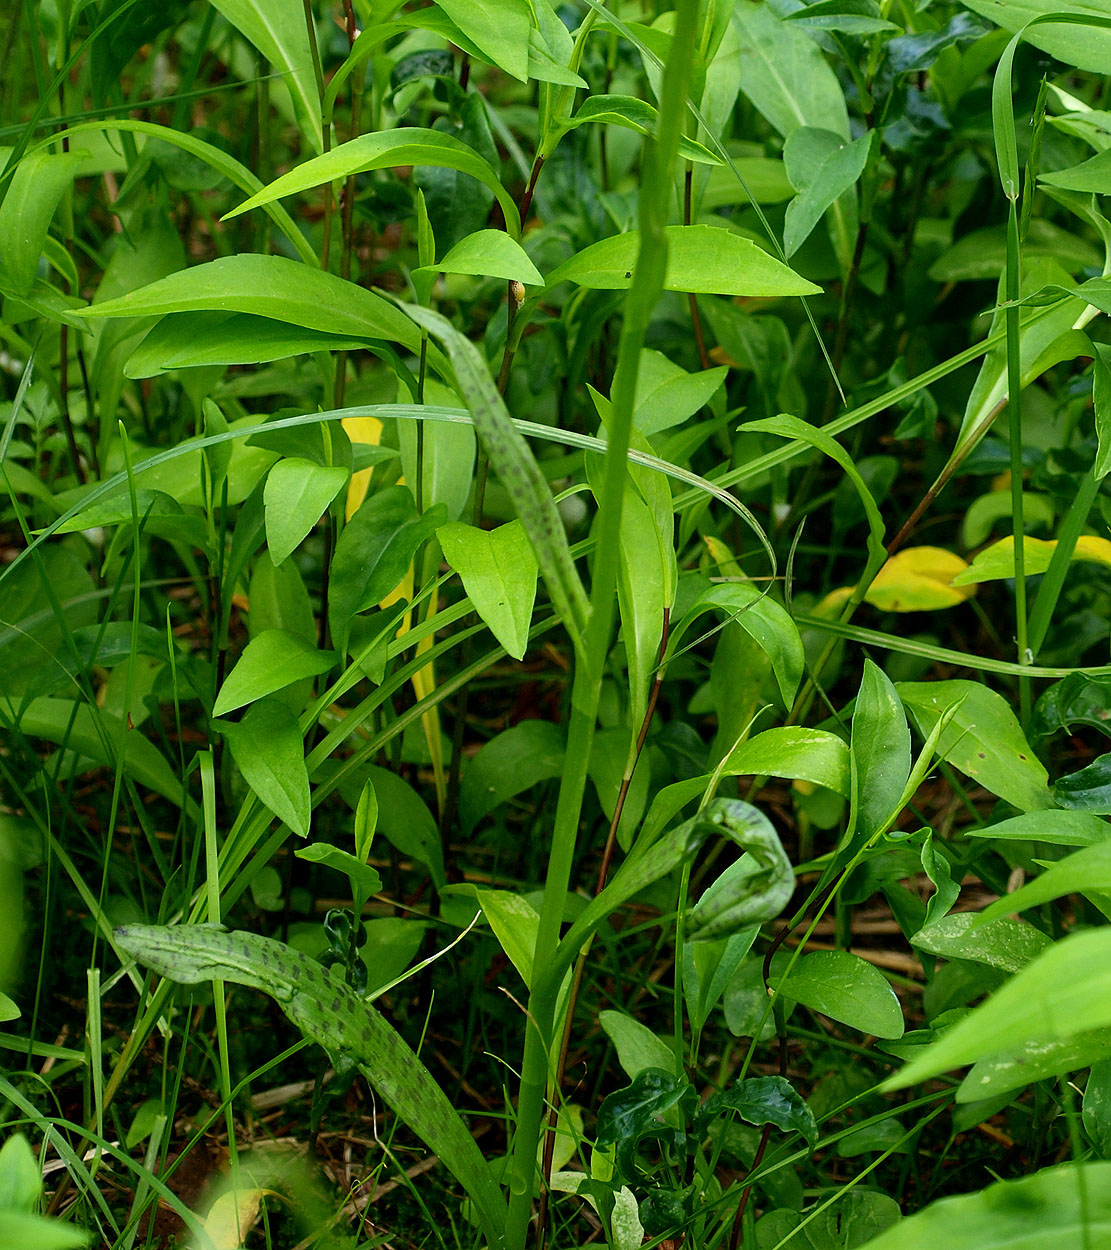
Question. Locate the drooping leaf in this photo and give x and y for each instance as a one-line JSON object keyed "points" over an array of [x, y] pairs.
{"points": [[343, 861], [702, 259], [819, 176], [845, 988], [631, 1115], [796, 752], [983, 739], [388, 149], [632, 114], [498, 570], [33, 195], [268, 749], [491, 254], [500, 28], [297, 495], [272, 660], [1087, 47]]}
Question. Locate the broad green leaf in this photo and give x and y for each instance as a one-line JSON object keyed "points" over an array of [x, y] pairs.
{"points": [[513, 920], [1007, 944], [388, 149], [277, 29], [1065, 991], [1092, 176], [761, 617], [1062, 828], [819, 176], [297, 495], [855, 1216], [160, 515], [270, 661], [845, 988], [632, 114], [701, 259], [498, 569], [360, 873], [1036, 1061], [764, 1100], [919, 579], [667, 395], [268, 750], [98, 739], [33, 195], [39, 1232], [1076, 699], [373, 553], [785, 75], [269, 286], [879, 753], [638, 1048], [981, 255], [490, 254], [796, 752], [500, 28], [512, 762], [1062, 1208], [278, 599], [196, 339], [983, 739], [1088, 789], [1086, 47], [1087, 872]]}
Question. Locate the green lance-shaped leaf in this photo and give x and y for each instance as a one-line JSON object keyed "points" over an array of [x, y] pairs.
{"points": [[348, 1027], [269, 286], [489, 254], [880, 753], [632, 114], [822, 166], [1086, 872], [277, 29], [518, 471], [387, 149], [1063, 992], [703, 259]]}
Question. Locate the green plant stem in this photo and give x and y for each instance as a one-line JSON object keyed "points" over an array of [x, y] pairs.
{"points": [[1014, 413], [648, 278]]}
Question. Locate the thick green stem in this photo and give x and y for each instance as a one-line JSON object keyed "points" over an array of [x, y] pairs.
{"points": [[647, 283]]}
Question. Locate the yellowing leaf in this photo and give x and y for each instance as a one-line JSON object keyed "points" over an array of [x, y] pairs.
{"points": [[919, 579], [998, 561], [1089, 547], [829, 608], [232, 1216], [360, 430]]}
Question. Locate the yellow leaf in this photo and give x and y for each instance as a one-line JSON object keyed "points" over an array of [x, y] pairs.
{"points": [[919, 579], [232, 1215], [1089, 547], [360, 430], [722, 557], [829, 608]]}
